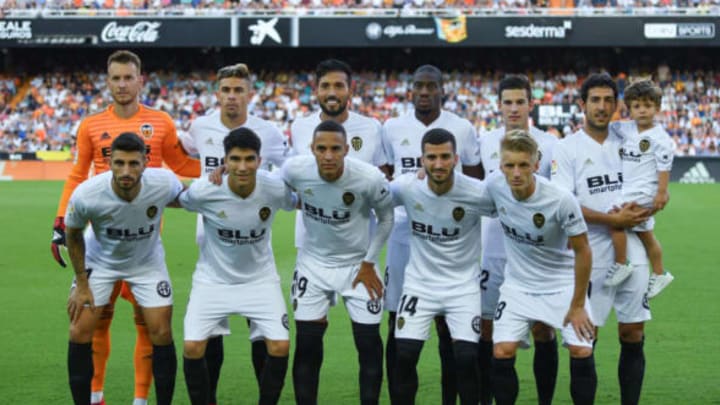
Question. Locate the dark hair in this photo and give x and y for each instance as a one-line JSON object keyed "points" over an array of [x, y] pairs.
{"points": [[125, 57], [128, 142], [515, 82], [238, 70], [643, 89], [332, 65], [330, 126], [243, 138], [597, 80], [432, 70], [438, 136]]}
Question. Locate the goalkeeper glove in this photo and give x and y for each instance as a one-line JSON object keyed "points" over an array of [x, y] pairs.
{"points": [[58, 241]]}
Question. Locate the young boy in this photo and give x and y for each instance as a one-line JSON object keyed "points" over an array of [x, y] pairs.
{"points": [[647, 156]]}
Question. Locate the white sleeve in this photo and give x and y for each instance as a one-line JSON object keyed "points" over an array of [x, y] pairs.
{"points": [[286, 173], [379, 157], [382, 204], [190, 198], [570, 216], [664, 152], [275, 149], [485, 200], [176, 187], [397, 187], [562, 171], [76, 213], [289, 200], [387, 146], [470, 153], [187, 139]]}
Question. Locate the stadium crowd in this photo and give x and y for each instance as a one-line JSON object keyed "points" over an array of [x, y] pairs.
{"points": [[45, 119]]}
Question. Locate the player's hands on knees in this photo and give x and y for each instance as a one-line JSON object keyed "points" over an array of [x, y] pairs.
{"points": [[581, 323], [216, 176], [629, 215], [370, 279], [58, 241], [660, 201], [80, 297]]}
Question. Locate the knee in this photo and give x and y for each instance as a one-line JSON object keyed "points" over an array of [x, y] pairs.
{"points": [[542, 332], [194, 349], [505, 350], [161, 335], [80, 333], [580, 352], [631, 332], [278, 348]]}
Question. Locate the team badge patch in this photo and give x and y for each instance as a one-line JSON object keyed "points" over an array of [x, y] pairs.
{"points": [[400, 322], [285, 322], [163, 289], [146, 130], [152, 211], [539, 220], [348, 198], [476, 324], [374, 306], [264, 213], [458, 213], [644, 145], [356, 142]]}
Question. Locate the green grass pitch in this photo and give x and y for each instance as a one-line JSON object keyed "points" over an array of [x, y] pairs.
{"points": [[681, 343]]}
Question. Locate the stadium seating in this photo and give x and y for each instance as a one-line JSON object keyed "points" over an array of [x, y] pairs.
{"points": [[53, 104]]}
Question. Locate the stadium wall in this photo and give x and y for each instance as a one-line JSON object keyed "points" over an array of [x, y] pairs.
{"points": [[354, 31]]}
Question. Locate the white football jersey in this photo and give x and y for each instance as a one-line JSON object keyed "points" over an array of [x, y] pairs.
{"points": [[125, 235], [493, 246], [643, 156], [444, 231], [206, 134], [593, 173], [402, 140], [237, 247], [536, 232], [337, 214], [363, 136]]}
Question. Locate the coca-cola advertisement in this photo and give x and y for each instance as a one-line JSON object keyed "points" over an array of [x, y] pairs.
{"points": [[119, 32]]}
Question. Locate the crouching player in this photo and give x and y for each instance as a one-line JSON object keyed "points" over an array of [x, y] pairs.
{"points": [[124, 206], [546, 282], [235, 273]]}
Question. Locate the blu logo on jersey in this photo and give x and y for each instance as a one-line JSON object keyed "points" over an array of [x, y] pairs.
{"points": [[519, 236]]}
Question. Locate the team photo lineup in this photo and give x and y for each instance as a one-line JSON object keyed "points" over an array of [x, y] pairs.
{"points": [[505, 239]]}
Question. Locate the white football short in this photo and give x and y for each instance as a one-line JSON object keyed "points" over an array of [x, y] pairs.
{"points": [[151, 286], [517, 311], [315, 286], [491, 278], [646, 226], [629, 298], [210, 305], [416, 312]]}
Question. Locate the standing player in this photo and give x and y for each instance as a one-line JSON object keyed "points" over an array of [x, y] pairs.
{"points": [[337, 195], [545, 281], [94, 137], [205, 139], [515, 103], [444, 212], [237, 218], [124, 207], [402, 142], [333, 91], [588, 164], [647, 156]]}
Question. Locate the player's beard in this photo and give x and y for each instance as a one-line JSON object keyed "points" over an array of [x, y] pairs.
{"points": [[130, 186], [334, 113], [595, 126]]}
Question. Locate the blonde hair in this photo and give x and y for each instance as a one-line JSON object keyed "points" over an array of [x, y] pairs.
{"points": [[519, 140]]}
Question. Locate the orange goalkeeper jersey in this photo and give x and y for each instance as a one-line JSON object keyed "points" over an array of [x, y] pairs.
{"points": [[97, 131]]}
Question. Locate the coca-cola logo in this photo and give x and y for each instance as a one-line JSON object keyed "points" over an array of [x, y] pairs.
{"points": [[141, 31]]}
